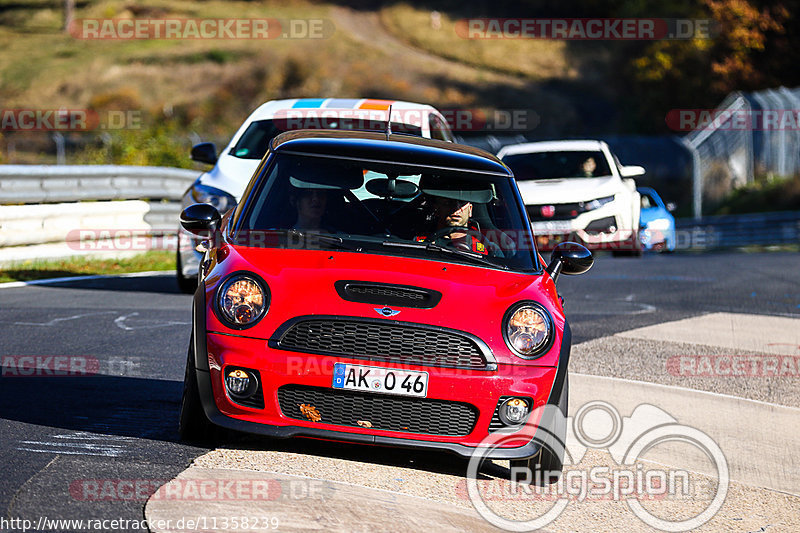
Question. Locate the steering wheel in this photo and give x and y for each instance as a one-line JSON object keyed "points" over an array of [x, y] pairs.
{"points": [[439, 234]]}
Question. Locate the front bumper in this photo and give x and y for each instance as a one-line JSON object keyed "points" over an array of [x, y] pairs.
{"points": [[278, 367], [605, 228], [656, 239]]}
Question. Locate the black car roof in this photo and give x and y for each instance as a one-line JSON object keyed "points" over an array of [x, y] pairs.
{"points": [[372, 146]]}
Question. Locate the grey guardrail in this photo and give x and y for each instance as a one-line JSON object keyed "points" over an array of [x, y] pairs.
{"points": [[33, 184], [731, 231], [48, 211]]}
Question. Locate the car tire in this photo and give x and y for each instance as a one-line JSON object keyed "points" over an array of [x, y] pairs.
{"points": [[193, 424], [186, 285], [546, 459]]}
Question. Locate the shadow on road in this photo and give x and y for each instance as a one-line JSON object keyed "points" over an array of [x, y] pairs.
{"points": [[156, 283], [439, 462], [148, 408], [111, 405]]}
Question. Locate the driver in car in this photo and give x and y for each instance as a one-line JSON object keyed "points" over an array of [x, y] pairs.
{"points": [[452, 213]]}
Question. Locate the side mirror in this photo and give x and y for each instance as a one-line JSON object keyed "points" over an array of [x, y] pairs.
{"points": [[631, 171], [200, 219], [570, 258], [671, 207], [205, 153]]}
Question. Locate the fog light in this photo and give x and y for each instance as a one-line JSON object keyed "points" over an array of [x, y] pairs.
{"points": [[238, 382], [514, 411]]}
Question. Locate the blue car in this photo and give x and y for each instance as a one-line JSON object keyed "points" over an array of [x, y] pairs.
{"points": [[656, 222]]}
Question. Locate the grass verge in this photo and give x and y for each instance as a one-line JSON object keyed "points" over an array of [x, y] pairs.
{"points": [[83, 266], [536, 59]]}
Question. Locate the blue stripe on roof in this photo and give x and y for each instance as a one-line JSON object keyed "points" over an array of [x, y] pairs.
{"points": [[308, 102], [342, 103]]}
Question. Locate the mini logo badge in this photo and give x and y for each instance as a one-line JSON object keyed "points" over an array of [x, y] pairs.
{"points": [[548, 211], [385, 311]]}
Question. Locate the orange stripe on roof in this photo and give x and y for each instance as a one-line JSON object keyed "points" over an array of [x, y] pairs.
{"points": [[376, 104]]}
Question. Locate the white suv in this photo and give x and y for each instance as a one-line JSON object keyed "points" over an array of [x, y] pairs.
{"points": [[577, 190], [223, 185]]}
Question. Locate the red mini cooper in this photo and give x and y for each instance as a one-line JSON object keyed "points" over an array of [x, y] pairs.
{"points": [[380, 289]]}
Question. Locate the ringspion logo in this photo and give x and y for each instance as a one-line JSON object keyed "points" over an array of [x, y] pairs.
{"points": [[626, 439]]}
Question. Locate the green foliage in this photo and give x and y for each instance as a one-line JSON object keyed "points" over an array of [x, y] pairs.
{"points": [[764, 195], [577, 87], [700, 72], [162, 143], [86, 266]]}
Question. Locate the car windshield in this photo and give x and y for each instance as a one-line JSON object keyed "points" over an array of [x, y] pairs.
{"points": [[387, 208], [558, 165], [254, 142]]}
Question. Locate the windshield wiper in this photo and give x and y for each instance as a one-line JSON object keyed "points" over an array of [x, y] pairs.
{"points": [[311, 238], [430, 246]]}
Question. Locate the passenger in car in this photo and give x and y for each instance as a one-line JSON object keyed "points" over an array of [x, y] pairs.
{"points": [[588, 167]]}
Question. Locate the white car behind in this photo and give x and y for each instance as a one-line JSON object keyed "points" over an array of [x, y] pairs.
{"points": [[577, 190], [223, 185]]}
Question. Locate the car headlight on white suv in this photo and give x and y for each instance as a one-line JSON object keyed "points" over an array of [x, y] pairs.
{"points": [[203, 194], [599, 202]]}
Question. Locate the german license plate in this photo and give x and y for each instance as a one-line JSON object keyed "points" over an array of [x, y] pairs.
{"points": [[377, 379], [552, 226]]}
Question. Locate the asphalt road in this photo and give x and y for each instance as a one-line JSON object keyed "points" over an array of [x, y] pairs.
{"points": [[62, 434]]}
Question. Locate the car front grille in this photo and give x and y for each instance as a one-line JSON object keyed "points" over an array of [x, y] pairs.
{"points": [[379, 340], [378, 411]]}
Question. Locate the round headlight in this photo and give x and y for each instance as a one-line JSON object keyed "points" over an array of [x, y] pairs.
{"points": [[528, 330], [242, 301]]}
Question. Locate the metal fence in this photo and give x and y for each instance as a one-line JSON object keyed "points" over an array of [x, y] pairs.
{"points": [[734, 231], [33, 184], [777, 150], [44, 207], [728, 152]]}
